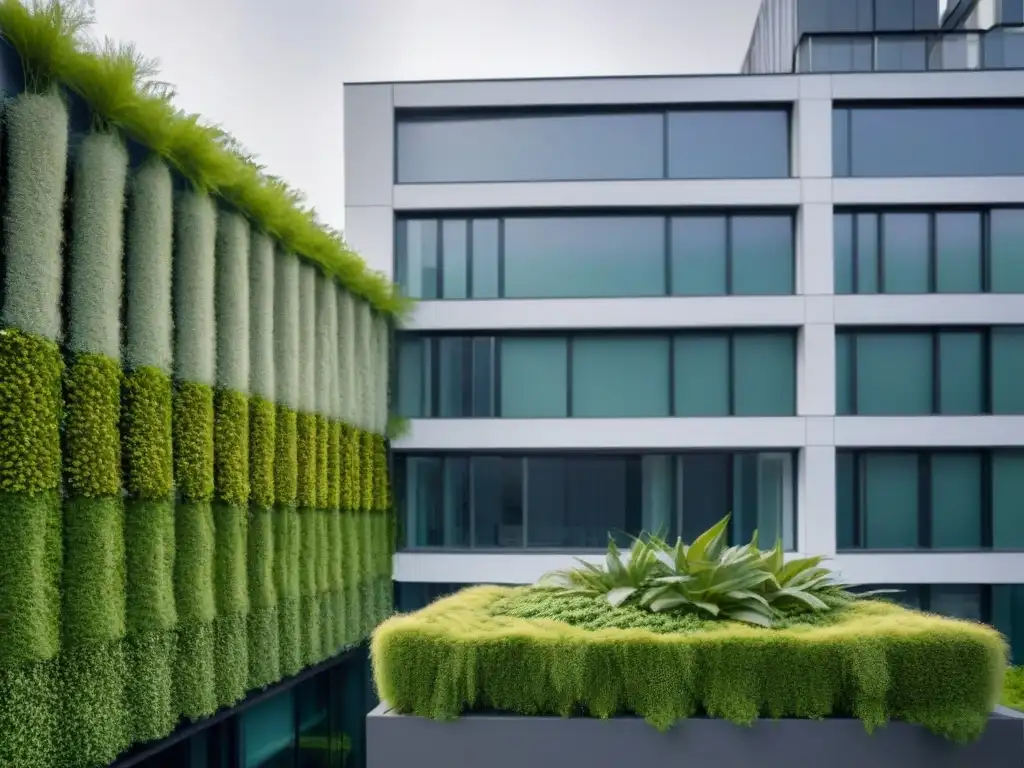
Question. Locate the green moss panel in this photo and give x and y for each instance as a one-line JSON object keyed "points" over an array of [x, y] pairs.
{"points": [[310, 635], [349, 411], [286, 540], [194, 674], [350, 534], [93, 668], [262, 629], [231, 470], [147, 455], [366, 515]]}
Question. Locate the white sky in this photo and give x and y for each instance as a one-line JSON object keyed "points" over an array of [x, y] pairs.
{"points": [[271, 71]]}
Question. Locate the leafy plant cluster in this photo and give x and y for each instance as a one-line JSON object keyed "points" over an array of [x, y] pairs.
{"points": [[120, 87], [738, 583]]}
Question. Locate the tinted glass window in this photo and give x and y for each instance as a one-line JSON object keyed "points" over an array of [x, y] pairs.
{"points": [[762, 255], [889, 500], [961, 373], [534, 377], [1007, 261], [455, 267], [530, 148], [702, 375], [920, 141], [842, 245], [958, 252], [623, 377], [699, 256], [764, 374], [417, 268], [486, 239], [878, 392], [497, 484], [1007, 491], [741, 144], [586, 256], [905, 243], [956, 496], [1008, 370]]}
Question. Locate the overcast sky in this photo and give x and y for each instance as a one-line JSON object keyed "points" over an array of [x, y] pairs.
{"points": [[271, 71]]}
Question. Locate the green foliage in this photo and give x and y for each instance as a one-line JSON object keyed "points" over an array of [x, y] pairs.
{"points": [[29, 714], [148, 686], [114, 80], [231, 447], [1013, 688], [367, 463], [262, 628], [738, 583], [322, 489], [193, 441], [262, 430], [94, 722], [351, 577], [31, 550], [146, 434], [335, 578], [194, 597], [310, 604], [92, 459], [286, 470], [306, 460], [232, 601], [286, 580], [94, 571], [541, 652], [30, 413], [334, 432]]}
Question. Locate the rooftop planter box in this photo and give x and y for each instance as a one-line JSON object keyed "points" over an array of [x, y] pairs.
{"points": [[731, 654]]}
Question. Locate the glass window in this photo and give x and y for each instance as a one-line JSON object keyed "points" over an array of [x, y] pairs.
{"points": [[762, 255], [315, 738], [454, 356], [764, 374], [956, 497], [704, 491], [762, 499], [417, 258], [483, 377], [879, 392], [1008, 370], [728, 144], [584, 256], [454, 259], [413, 383], [889, 500], [958, 252], [547, 523], [916, 140], [622, 377], [466, 148], [268, 733], [602, 500], [961, 373], [1007, 492], [699, 256], [497, 501], [1007, 258], [959, 601], [423, 502], [867, 253], [486, 234], [846, 517], [657, 496], [840, 141], [701, 375], [455, 523], [842, 246], [901, 54], [905, 252], [1008, 617], [534, 377], [844, 367]]}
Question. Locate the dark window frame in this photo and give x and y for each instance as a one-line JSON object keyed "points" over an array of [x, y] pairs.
{"points": [[407, 115], [934, 332], [570, 336], [400, 262]]}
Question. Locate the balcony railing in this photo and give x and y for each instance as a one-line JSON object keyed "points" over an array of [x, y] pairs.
{"points": [[1000, 48]]}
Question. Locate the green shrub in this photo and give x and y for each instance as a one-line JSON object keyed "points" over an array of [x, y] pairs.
{"points": [[538, 651], [94, 722], [29, 714], [1013, 688]]}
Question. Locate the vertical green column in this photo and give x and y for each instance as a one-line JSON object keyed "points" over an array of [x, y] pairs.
{"points": [[363, 497], [307, 467], [263, 636], [231, 458], [349, 471], [286, 522], [381, 521], [327, 487], [94, 720], [195, 362], [30, 414], [148, 456]]}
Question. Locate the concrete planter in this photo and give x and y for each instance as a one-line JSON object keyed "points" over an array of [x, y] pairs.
{"points": [[509, 741]]}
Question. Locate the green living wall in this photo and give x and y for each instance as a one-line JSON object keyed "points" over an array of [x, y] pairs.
{"points": [[194, 496]]}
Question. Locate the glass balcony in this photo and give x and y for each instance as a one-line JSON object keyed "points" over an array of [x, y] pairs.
{"points": [[1001, 48]]}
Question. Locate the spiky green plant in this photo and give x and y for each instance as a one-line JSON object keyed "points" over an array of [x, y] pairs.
{"points": [[739, 583]]}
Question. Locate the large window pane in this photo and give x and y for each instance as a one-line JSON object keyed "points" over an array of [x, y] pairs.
{"points": [[622, 377], [961, 374], [764, 374], [889, 500], [960, 601], [1008, 617], [530, 148], [916, 140], [424, 519], [1008, 370], [658, 511], [728, 144], [1007, 507], [883, 392], [268, 733], [846, 517], [534, 377], [958, 252], [497, 488], [704, 491], [456, 504], [699, 256], [483, 377], [454, 360], [956, 500], [844, 373], [905, 252], [867, 253], [842, 246], [417, 258], [454, 259], [762, 255], [584, 256], [546, 514], [413, 359], [701, 375], [602, 500], [315, 743], [485, 259], [762, 498], [1007, 261]]}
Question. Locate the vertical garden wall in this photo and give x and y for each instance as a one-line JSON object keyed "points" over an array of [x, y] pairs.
{"points": [[194, 500]]}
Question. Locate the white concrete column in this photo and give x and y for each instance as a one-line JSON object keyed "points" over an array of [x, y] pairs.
{"points": [[816, 370], [815, 245], [816, 500]]}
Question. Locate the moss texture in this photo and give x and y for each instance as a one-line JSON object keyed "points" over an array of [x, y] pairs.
{"points": [[534, 651]]}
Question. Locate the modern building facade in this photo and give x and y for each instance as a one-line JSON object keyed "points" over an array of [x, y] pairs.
{"points": [[646, 302]]}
